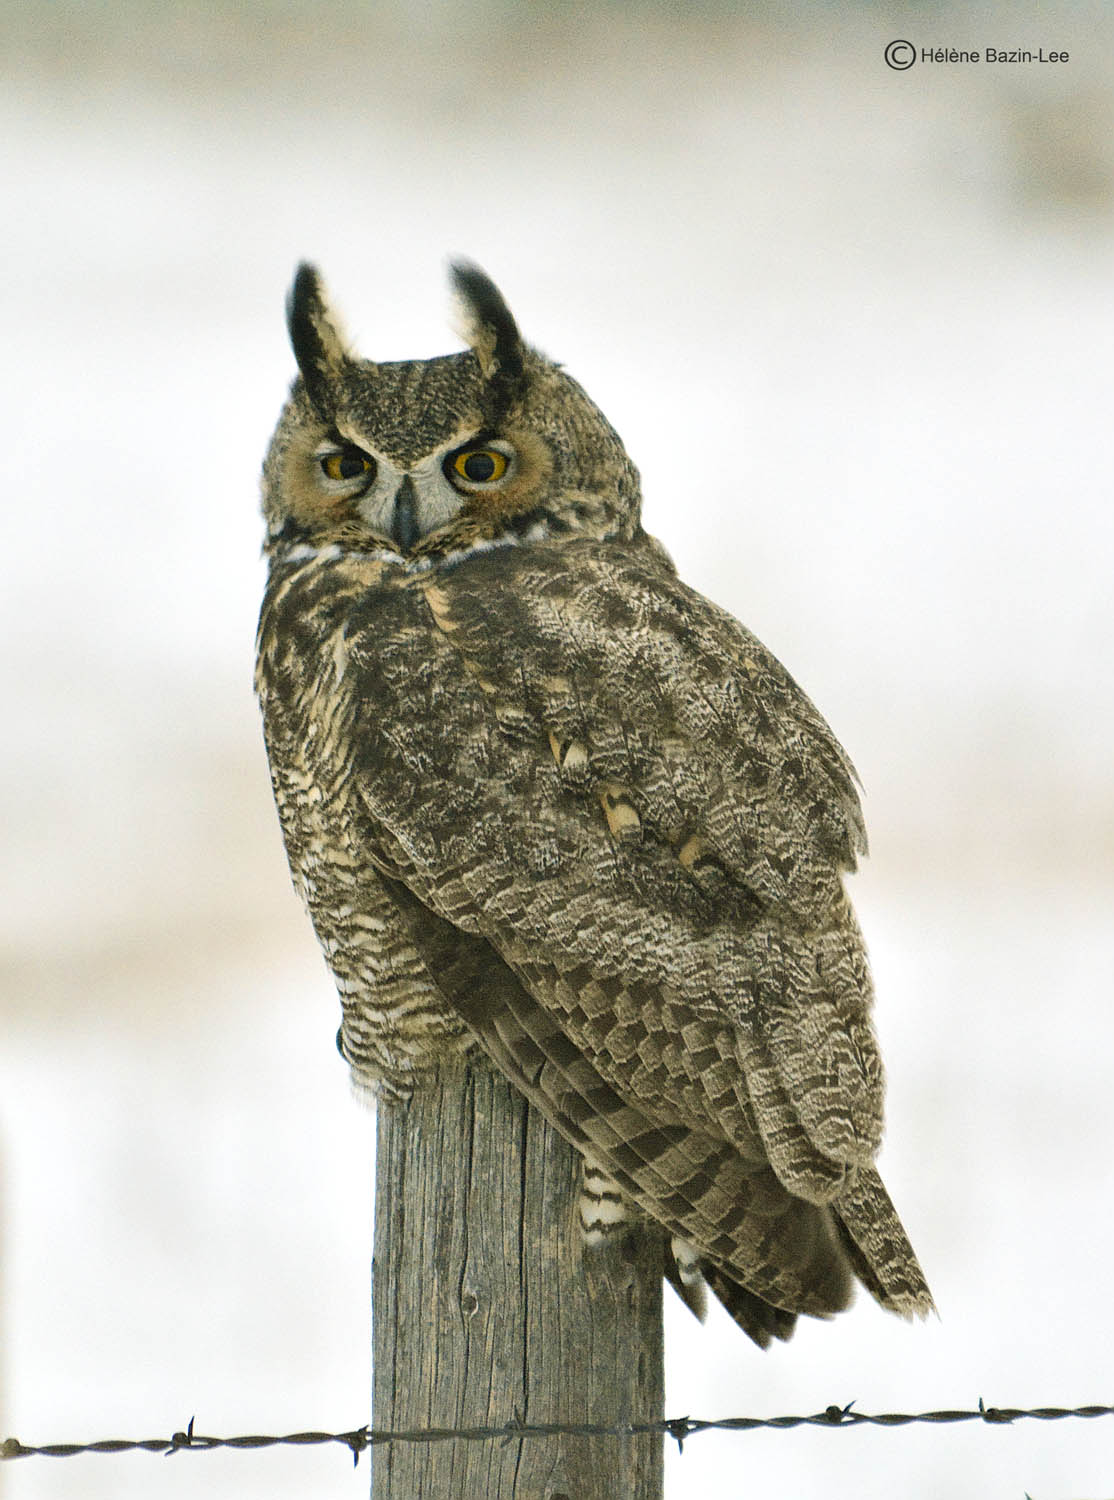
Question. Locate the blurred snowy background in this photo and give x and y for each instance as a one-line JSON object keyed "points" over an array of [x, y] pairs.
{"points": [[856, 326]]}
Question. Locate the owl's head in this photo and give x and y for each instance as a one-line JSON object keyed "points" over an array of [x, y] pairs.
{"points": [[426, 459]]}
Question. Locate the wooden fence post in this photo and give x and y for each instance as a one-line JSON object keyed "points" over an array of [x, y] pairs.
{"points": [[486, 1304]]}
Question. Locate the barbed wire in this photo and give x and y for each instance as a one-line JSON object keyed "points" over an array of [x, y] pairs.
{"points": [[677, 1428]]}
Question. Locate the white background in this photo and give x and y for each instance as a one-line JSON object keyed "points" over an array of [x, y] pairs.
{"points": [[855, 327]]}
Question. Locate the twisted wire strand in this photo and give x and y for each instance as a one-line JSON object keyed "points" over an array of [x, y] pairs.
{"points": [[678, 1428]]}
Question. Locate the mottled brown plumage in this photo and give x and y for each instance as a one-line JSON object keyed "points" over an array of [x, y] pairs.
{"points": [[544, 801]]}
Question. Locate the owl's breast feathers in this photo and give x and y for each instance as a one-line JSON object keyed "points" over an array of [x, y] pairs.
{"points": [[615, 829]]}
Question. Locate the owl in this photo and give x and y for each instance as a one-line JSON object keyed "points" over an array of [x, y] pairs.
{"points": [[549, 806]]}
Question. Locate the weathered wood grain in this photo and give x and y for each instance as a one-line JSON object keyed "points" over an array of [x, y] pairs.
{"points": [[486, 1305]]}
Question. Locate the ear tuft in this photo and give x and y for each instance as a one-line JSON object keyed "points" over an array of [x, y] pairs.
{"points": [[488, 328], [315, 334]]}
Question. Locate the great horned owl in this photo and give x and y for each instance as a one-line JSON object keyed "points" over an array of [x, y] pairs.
{"points": [[546, 803]]}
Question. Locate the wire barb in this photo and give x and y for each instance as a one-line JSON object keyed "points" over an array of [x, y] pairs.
{"points": [[518, 1429]]}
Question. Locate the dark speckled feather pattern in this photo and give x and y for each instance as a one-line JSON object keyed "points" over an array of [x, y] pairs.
{"points": [[544, 800]]}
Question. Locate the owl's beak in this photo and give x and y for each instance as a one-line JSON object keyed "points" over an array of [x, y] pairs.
{"points": [[404, 520]]}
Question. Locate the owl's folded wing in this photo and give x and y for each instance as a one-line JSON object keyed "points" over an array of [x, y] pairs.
{"points": [[617, 789], [610, 771]]}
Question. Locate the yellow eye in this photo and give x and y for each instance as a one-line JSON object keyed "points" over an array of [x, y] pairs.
{"points": [[480, 465], [350, 463]]}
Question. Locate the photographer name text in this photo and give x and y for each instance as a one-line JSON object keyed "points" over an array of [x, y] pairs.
{"points": [[902, 54], [991, 55]]}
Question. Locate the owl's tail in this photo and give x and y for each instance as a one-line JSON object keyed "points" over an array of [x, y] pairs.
{"points": [[874, 1241], [868, 1232], [870, 1235], [605, 1211], [759, 1320]]}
